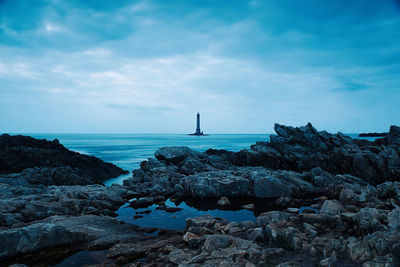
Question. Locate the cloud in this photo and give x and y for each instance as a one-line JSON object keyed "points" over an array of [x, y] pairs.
{"points": [[244, 65]]}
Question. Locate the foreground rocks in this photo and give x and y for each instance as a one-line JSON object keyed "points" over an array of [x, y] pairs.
{"points": [[337, 203], [51, 199], [339, 199]]}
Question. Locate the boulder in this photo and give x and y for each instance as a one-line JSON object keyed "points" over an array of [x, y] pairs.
{"points": [[173, 154], [224, 201], [332, 207], [216, 184]]}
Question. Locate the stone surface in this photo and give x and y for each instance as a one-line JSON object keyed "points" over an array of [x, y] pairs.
{"points": [[18, 153]]}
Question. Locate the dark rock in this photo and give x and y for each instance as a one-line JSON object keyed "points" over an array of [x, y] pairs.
{"points": [[224, 201], [18, 153]]}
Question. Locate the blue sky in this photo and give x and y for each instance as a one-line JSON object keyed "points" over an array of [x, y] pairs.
{"points": [[148, 66]]}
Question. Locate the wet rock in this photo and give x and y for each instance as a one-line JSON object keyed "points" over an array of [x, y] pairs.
{"points": [[169, 209], [89, 230], [204, 221], [224, 201], [146, 201], [248, 207], [307, 210]]}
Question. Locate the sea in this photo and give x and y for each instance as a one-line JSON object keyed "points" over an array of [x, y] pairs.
{"points": [[129, 150]]}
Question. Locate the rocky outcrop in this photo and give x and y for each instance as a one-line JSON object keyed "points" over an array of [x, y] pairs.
{"points": [[301, 149], [51, 198], [18, 153], [338, 196], [77, 232]]}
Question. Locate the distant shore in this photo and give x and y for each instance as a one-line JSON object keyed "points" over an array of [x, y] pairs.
{"points": [[373, 134]]}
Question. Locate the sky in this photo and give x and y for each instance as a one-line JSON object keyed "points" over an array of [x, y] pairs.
{"points": [[148, 66]]}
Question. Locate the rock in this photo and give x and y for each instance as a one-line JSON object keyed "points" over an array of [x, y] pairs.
{"points": [[204, 221], [304, 148], [347, 195], [380, 262], [146, 201], [169, 209], [272, 216], [393, 137], [307, 210], [332, 207], [216, 184], [248, 207], [292, 210], [178, 191], [18, 153], [94, 231], [173, 154], [223, 201], [393, 218], [367, 220], [190, 236], [269, 187], [256, 234]]}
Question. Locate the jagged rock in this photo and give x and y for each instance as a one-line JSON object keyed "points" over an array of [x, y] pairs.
{"points": [[18, 153], [190, 236], [64, 231], [224, 201], [248, 207], [216, 184], [204, 221], [304, 148], [367, 220], [332, 207], [269, 187], [173, 154]]}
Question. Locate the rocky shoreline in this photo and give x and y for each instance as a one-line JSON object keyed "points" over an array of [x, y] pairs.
{"points": [[337, 202]]}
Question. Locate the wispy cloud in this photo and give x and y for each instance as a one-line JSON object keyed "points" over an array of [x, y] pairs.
{"points": [[244, 65]]}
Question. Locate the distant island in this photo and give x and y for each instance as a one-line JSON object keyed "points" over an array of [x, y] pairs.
{"points": [[372, 134], [198, 131]]}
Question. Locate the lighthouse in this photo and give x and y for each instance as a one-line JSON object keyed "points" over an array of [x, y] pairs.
{"points": [[198, 131]]}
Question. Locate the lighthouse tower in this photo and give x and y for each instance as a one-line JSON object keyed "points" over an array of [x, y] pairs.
{"points": [[198, 124], [198, 131]]}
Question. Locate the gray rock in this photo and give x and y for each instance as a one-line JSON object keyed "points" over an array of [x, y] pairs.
{"points": [[216, 184], [269, 187], [332, 207], [173, 154], [64, 231], [224, 201]]}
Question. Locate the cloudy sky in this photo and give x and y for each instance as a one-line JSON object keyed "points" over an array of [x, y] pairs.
{"points": [[148, 66]]}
